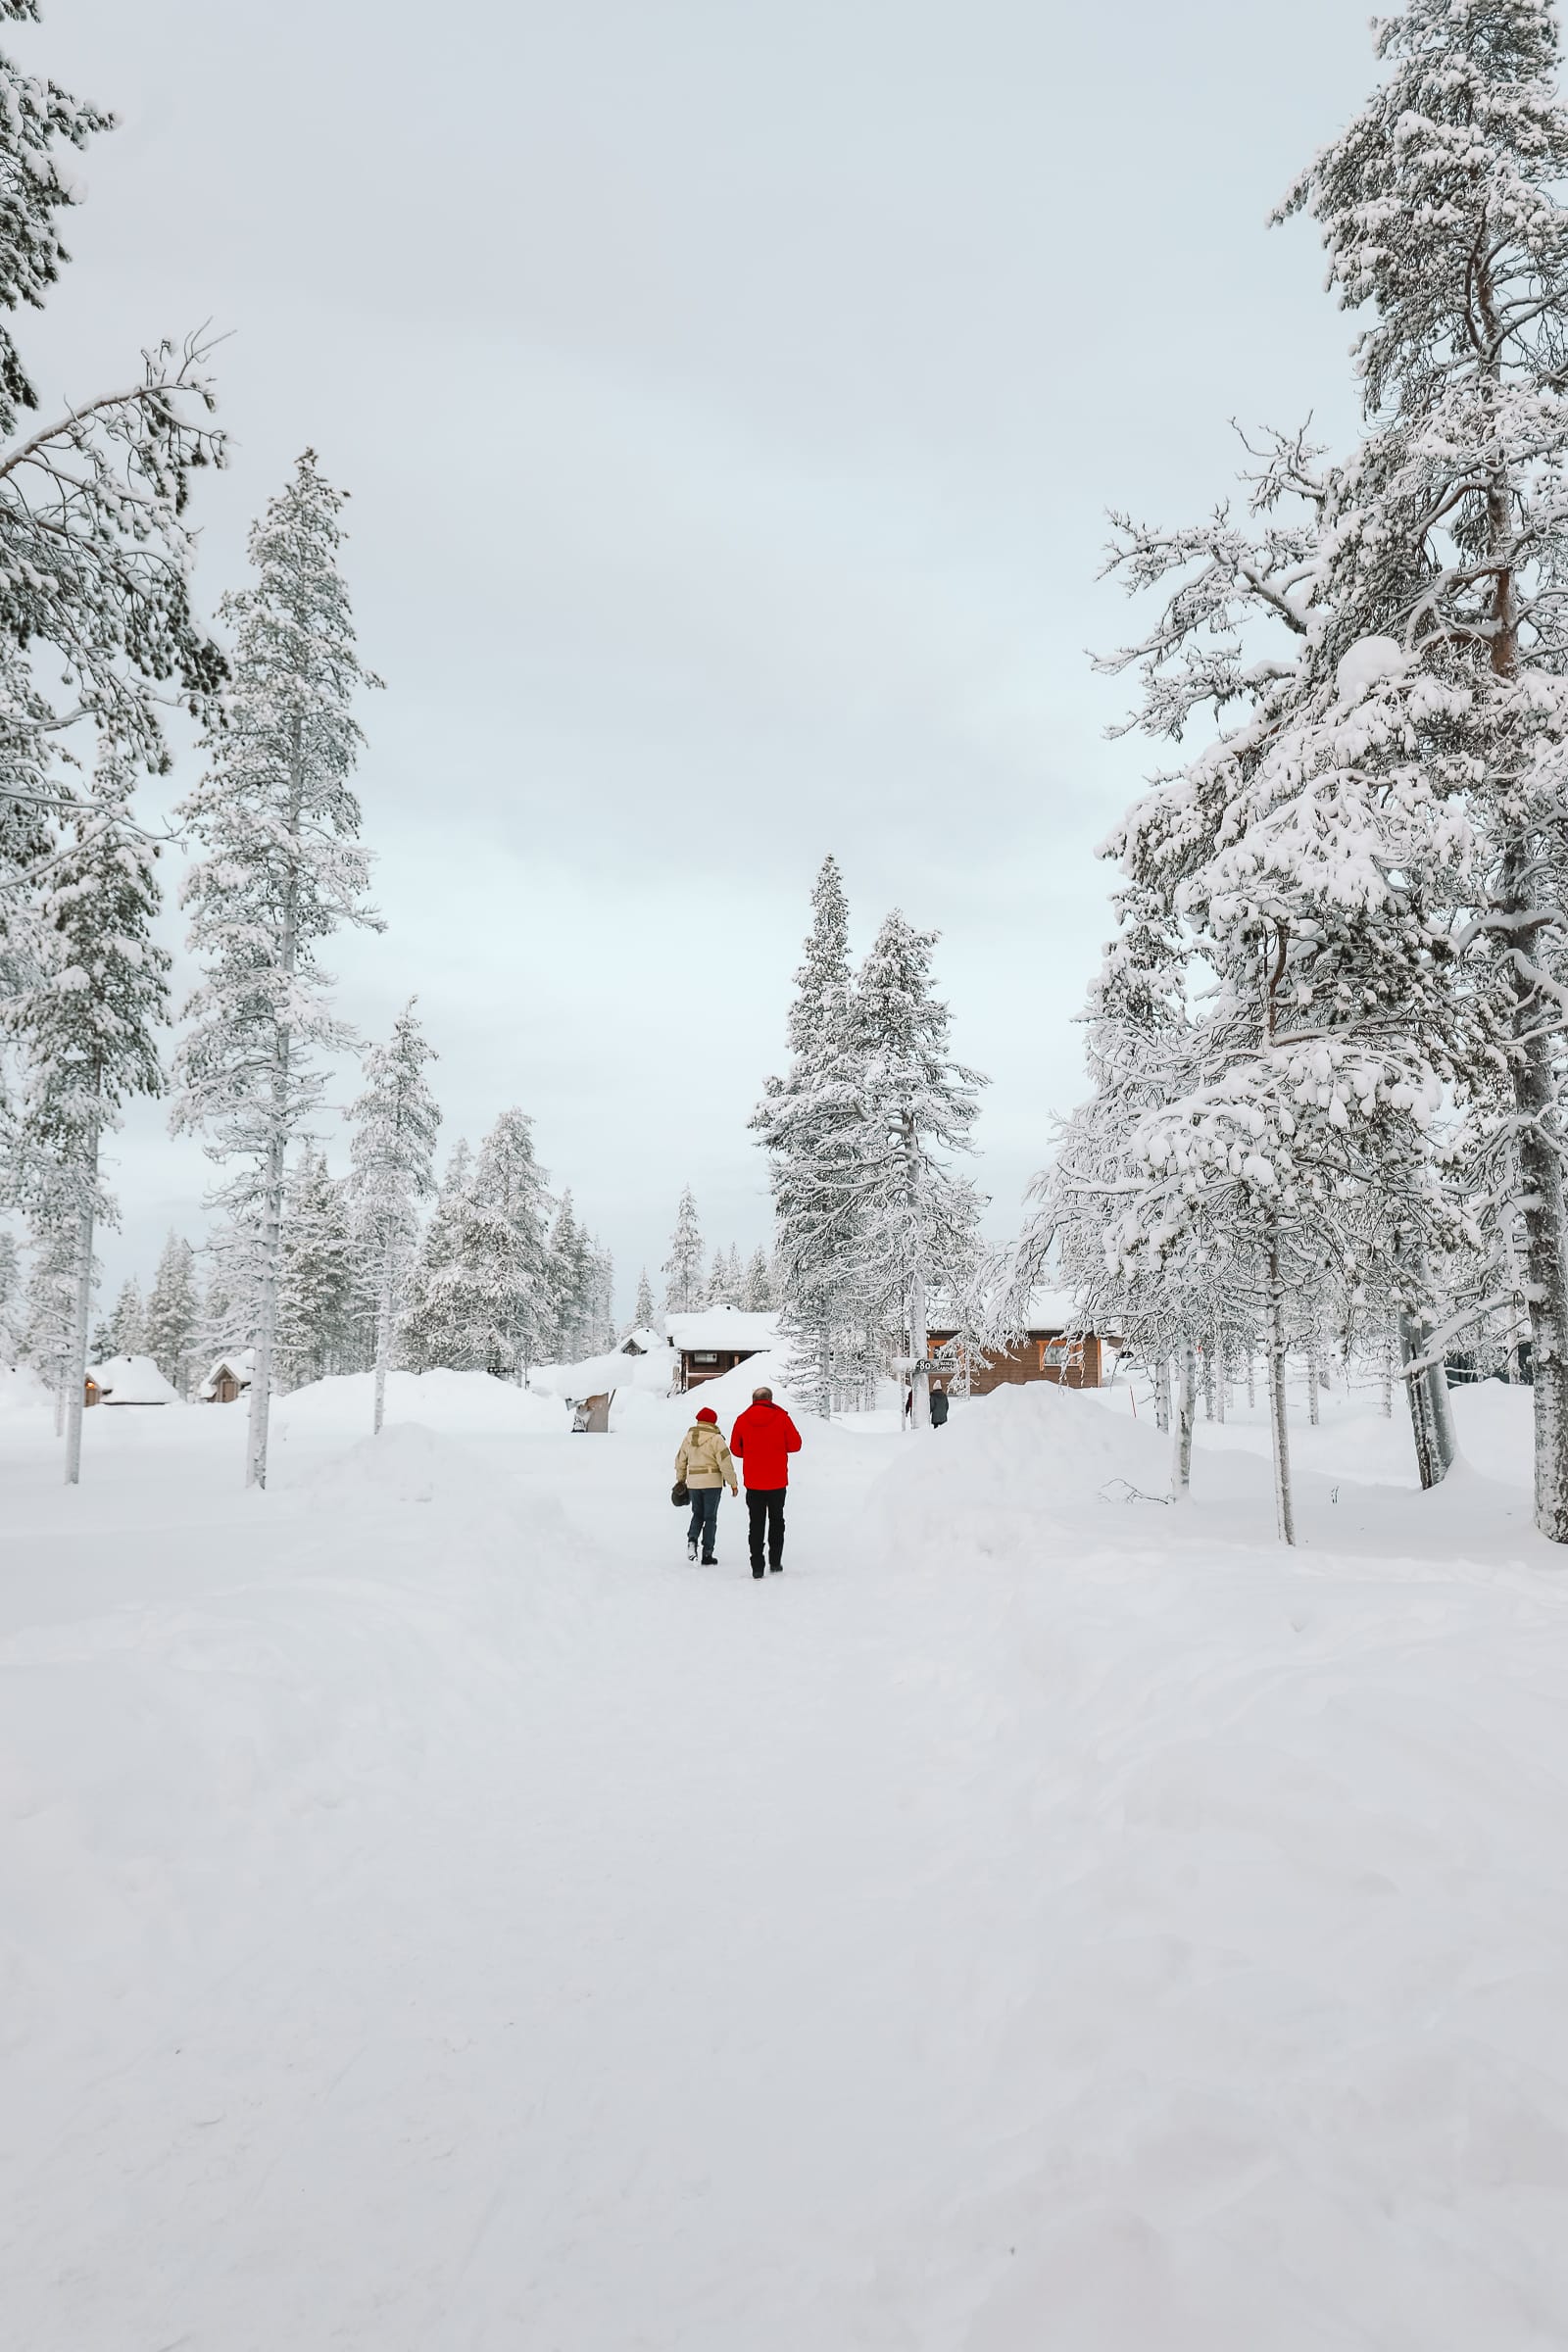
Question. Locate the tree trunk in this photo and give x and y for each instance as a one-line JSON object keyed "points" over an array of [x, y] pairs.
{"points": [[920, 1385], [1312, 1383], [278, 1144], [383, 1340], [1279, 1425], [1186, 1413], [1162, 1394], [1547, 1261], [76, 1395]]}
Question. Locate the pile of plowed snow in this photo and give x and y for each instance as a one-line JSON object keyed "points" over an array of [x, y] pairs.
{"points": [[449, 1400]]}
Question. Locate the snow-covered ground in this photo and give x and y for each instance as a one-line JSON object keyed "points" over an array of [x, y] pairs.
{"points": [[438, 1919]]}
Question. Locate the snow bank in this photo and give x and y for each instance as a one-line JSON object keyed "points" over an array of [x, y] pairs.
{"points": [[1496, 1426], [21, 1390], [437, 1400]]}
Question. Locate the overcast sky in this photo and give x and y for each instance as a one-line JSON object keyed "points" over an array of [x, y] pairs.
{"points": [[730, 392]]}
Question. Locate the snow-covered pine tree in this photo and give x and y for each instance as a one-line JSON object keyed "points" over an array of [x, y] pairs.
{"points": [[1441, 207], [683, 1291], [756, 1289], [602, 1265], [916, 1109], [509, 1179], [87, 1029], [49, 1330], [808, 1124], [95, 553], [465, 1300], [281, 869], [644, 1311], [10, 1299], [572, 1285], [723, 1290], [173, 1310], [229, 1286], [128, 1320], [321, 1292], [395, 1120]]}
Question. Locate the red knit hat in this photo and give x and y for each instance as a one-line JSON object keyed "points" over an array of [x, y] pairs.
{"points": [[707, 1414]]}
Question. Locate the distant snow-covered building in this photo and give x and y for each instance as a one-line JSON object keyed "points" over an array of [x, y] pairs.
{"points": [[1053, 1347], [642, 1340], [715, 1338], [229, 1377], [129, 1380]]}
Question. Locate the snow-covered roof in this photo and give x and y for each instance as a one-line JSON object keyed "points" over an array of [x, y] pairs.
{"points": [[239, 1364], [593, 1376], [131, 1380], [715, 1327], [642, 1340], [1045, 1310]]}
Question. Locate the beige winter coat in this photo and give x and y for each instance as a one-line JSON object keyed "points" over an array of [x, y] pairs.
{"points": [[704, 1459]]}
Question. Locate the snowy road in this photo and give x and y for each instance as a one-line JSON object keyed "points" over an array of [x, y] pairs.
{"points": [[450, 1921]]}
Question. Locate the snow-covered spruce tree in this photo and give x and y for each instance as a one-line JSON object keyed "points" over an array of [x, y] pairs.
{"points": [[87, 1032], [808, 1122], [723, 1288], [683, 1291], [128, 1320], [602, 1264], [230, 1287], [573, 1283], [49, 1328], [466, 1299], [395, 1120], [645, 1312], [281, 868], [324, 1304], [95, 553], [173, 1310], [1440, 210], [756, 1294], [508, 1180], [916, 1109], [10, 1299]]}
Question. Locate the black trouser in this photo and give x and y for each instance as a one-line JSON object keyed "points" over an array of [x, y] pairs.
{"points": [[764, 1506], [705, 1519]]}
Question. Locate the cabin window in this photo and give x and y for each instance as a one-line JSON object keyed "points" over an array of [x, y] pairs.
{"points": [[706, 1359]]}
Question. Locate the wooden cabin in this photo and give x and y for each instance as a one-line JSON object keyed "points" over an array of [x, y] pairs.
{"points": [[1049, 1349], [714, 1341], [92, 1393]]}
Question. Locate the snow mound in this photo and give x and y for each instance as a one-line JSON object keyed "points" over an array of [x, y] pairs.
{"points": [[446, 1400], [1008, 1465], [407, 1463], [1495, 1425], [21, 1390]]}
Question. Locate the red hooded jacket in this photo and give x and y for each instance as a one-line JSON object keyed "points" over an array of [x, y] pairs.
{"points": [[763, 1438]]}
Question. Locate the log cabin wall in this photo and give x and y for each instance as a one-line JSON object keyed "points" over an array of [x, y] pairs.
{"points": [[1043, 1356]]}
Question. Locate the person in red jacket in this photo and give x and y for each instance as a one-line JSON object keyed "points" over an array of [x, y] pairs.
{"points": [[763, 1441]]}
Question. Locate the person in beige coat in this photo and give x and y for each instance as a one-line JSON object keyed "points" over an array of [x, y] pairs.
{"points": [[704, 1462]]}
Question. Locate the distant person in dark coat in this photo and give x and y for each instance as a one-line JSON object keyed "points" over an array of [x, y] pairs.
{"points": [[761, 1441], [938, 1406]]}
